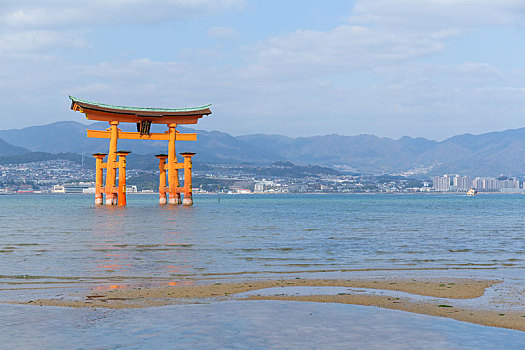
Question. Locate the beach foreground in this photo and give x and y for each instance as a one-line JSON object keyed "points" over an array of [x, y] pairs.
{"points": [[457, 298]]}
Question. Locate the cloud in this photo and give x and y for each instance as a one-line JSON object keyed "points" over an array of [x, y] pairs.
{"points": [[36, 40], [440, 17], [416, 99], [32, 25], [52, 14], [344, 48]]}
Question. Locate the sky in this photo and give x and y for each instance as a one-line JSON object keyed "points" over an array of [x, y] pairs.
{"points": [[433, 68]]}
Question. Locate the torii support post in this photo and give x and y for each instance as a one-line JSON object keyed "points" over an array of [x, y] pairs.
{"points": [[111, 174], [188, 195], [99, 177], [121, 192], [173, 171], [162, 178]]}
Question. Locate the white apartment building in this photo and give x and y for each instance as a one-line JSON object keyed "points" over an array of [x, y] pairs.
{"points": [[441, 183], [509, 184], [478, 183], [491, 184], [263, 186], [461, 183]]}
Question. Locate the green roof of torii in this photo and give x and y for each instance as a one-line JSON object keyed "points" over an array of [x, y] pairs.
{"points": [[139, 109]]}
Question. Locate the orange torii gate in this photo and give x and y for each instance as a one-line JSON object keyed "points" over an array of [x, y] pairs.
{"points": [[143, 117]]}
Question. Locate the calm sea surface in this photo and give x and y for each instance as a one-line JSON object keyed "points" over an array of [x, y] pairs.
{"points": [[67, 239]]}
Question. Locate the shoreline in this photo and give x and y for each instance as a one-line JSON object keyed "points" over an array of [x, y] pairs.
{"points": [[464, 194], [449, 293]]}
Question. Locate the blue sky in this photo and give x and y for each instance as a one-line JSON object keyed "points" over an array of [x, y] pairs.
{"points": [[432, 68]]}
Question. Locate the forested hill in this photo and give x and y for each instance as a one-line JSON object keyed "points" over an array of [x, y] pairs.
{"points": [[484, 155]]}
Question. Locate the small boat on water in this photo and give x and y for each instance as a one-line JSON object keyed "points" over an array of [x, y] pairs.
{"points": [[472, 192]]}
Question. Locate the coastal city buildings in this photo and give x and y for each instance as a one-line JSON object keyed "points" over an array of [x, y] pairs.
{"points": [[456, 183], [83, 188], [68, 177]]}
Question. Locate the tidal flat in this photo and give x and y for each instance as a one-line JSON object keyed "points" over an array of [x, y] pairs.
{"points": [[428, 297]]}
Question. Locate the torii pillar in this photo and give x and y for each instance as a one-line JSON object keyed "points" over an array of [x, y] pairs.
{"points": [[162, 178], [188, 192], [99, 177], [121, 190], [173, 171], [111, 173]]}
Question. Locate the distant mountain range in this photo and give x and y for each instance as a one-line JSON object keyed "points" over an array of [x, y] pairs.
{"points": [[484, 155]]}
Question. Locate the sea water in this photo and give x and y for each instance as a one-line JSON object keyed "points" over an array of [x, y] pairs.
{"points": [[64, 241], [67, 238]]}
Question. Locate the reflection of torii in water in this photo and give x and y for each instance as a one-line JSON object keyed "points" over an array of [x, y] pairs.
{"points": [[143, 117]]}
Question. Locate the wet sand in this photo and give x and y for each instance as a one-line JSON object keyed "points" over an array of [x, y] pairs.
{"points": [[453, 289]]}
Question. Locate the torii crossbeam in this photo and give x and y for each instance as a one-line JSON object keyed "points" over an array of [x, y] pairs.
{"points": [[116, 161]]}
